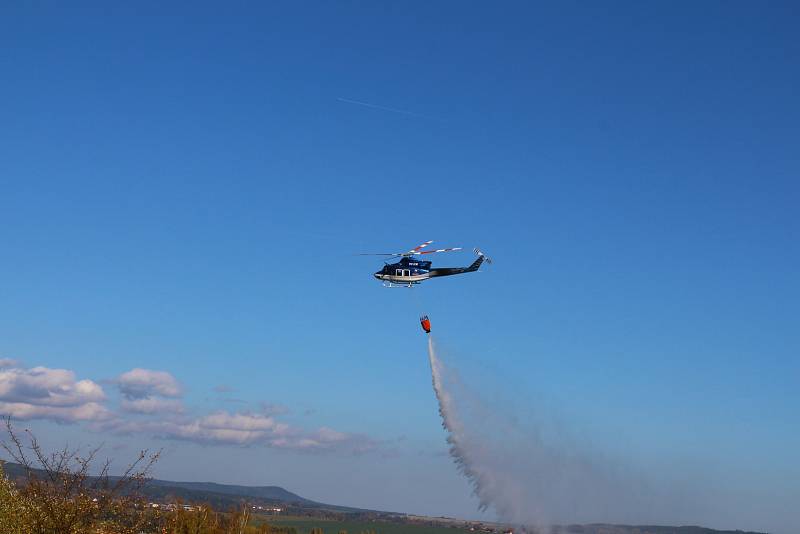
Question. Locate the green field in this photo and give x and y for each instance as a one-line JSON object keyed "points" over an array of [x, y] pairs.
{"points": [[331, 526]]}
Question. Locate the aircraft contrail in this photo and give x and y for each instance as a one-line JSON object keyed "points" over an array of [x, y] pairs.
{"points": [[384, 108]]}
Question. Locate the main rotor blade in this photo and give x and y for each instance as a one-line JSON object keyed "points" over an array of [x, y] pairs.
{"points": [[381, 254], [413, 252], [417, 249], [439, 250]]}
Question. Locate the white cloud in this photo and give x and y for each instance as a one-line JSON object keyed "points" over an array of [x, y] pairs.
{"points": [[47, 387], [152, 405], [91, 411], [8, 362], [224, 427], [146, 391], [246, 429], [141, 383], [44, 393]]}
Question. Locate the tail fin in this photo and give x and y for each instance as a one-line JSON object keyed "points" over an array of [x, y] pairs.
{"points": [[476, 264], [481, 258]]}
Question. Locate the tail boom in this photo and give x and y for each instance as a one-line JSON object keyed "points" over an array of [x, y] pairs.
{"points": [[449, 271]]}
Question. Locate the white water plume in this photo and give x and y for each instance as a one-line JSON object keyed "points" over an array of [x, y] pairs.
{"points": [[532, 476], [456, 436]]}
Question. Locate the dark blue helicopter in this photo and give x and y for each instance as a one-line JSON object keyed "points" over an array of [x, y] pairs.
{"points": [[410, 270]]}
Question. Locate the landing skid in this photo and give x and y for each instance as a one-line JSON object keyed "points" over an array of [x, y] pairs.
{"points": [[392, 284]]}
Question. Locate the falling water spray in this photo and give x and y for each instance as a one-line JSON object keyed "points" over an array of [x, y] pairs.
{"points": [[532, 475], [457, 437]]}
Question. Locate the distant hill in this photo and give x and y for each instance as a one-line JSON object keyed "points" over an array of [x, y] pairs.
{"points": [[227, 494], [267, 493], [217, 495]]}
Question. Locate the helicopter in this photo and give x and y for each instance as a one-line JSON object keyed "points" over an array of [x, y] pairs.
{"points": [[411, 270]]}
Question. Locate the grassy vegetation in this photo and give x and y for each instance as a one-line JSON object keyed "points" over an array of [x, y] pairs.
{"points": [[63, 506], [305, 525], [54, 494]]}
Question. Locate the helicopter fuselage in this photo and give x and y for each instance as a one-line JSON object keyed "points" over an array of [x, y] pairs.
{"points": [[409, 271]]}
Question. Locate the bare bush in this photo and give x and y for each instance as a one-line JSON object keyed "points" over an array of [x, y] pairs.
{"points": [[59, 494]]}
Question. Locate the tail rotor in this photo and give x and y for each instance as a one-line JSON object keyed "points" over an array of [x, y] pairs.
{"points": [[486, 258]]}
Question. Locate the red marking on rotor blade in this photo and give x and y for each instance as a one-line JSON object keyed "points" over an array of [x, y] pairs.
{"points": [[425, 244]]}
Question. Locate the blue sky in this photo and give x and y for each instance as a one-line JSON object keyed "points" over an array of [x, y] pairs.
{"points": [[183, 188]]}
